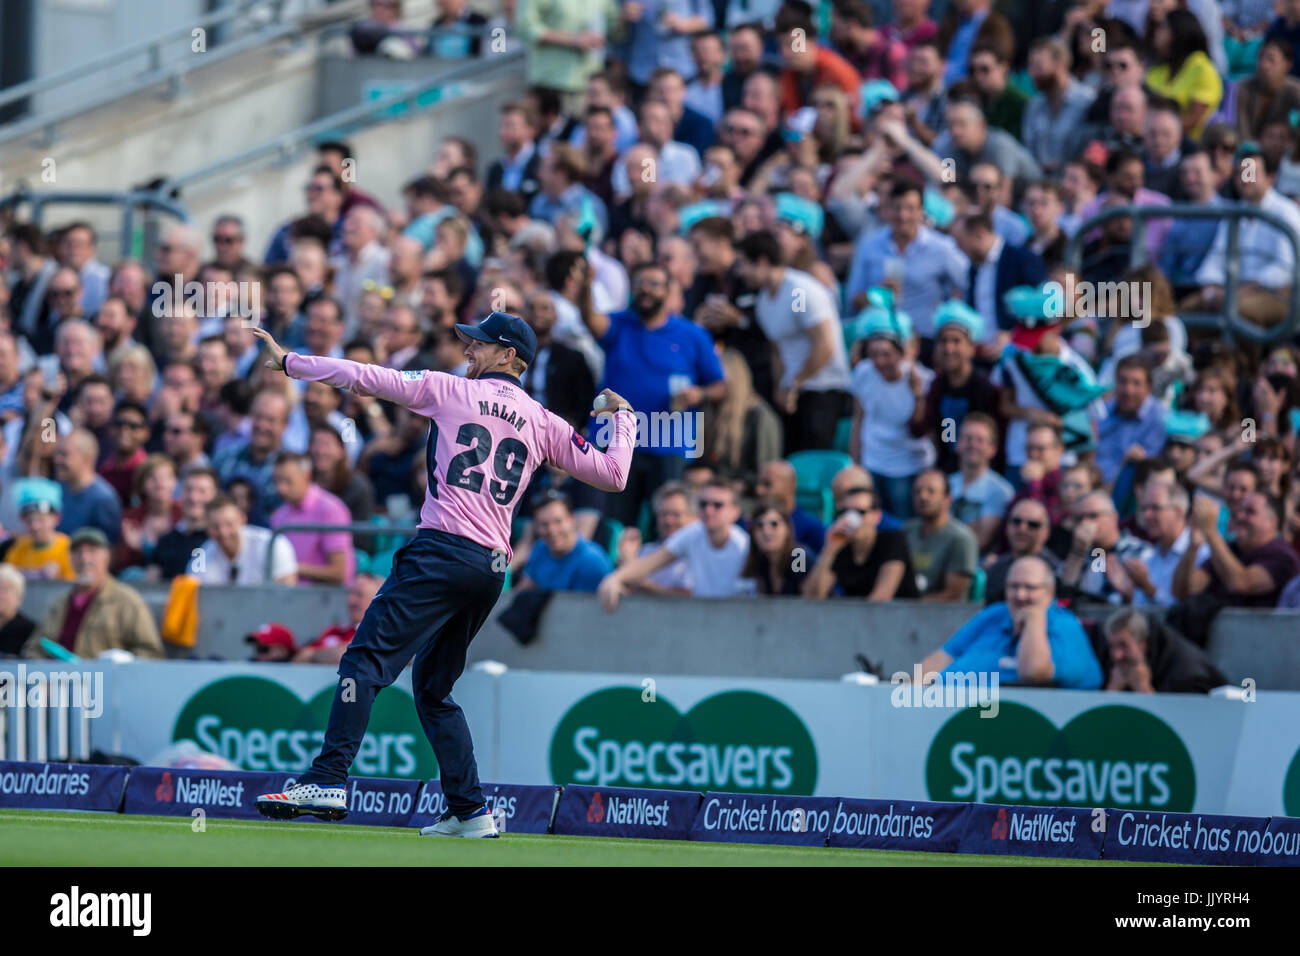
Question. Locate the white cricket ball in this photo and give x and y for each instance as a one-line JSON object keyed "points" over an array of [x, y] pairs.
{"points": [[600, 402]]}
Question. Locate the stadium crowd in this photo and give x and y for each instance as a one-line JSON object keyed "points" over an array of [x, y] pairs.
{"points": [[838, 258]]}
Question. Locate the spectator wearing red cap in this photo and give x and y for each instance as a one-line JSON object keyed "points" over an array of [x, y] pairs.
{"points": [[271, 642]]}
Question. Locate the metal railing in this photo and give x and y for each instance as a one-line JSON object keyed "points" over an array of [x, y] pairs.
{"points": [[1227, 320], [427, 36], [283, 147], [360, 528], [271, 24], [130, 202], [44, 730]]}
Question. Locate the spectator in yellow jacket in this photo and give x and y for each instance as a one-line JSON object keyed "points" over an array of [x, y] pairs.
{"points": [[42, 553]]}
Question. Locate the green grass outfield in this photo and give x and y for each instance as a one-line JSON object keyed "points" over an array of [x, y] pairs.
{"points": [[55, 838]]}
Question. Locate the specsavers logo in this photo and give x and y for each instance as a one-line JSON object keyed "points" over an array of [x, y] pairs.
{"points": [[1291, 788], [1115, 756], [261, 725], [736, 741]]}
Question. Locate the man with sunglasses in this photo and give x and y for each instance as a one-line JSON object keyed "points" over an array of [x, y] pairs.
{"points": [[714, 548], [324, 195], [1095, 569], [228, 243], [128, 431], [1122, 65], [1027, 639], [1028, 528], [860, 560], [64, 297]]}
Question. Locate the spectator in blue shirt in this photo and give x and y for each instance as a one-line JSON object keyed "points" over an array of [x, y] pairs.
{"points": [[324, 191], [562, 193], [659, 34], [1026, 639], [777, 481], [1188, 240], [1134, 426], [562, 561], [88, 500], [254, 458], [665, 366]]}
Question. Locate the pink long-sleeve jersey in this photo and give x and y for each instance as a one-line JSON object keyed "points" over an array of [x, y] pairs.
{"points": [[486, 438]]}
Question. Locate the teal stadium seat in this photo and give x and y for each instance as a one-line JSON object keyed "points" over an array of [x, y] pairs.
{"points": [[843, 434], [615, 533], [813, 473]]}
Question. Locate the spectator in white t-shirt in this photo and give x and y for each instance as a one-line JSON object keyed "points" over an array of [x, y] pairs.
{"points": [[235, 552], [980, 496], [714, 549], [798, 314], [673, 510], [887, 384]]}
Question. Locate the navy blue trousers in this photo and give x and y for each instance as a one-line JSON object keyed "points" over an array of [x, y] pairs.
{"points": [[439, 593]]}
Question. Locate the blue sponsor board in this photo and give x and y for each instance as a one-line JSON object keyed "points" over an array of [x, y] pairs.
{"points": [[1280, 843], [626, 812], [1032, 831], [1199, 838], [61, 786], [175, 792], [898, 825], [375, 801], [527, 809], [760, 818]]}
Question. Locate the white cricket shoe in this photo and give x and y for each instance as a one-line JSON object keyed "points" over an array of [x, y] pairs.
{"points": [[479, 824], [328, 803]]}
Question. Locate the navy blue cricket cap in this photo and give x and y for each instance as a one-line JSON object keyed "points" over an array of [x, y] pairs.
{"points": [[502, 328]]}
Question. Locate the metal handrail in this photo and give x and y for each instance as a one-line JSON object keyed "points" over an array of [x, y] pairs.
{"points": [[357, 527], [285, 144], [275, 29], [151, 46], [1228, 320], [129, 201]]}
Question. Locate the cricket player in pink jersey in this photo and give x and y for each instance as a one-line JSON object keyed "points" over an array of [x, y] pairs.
{"points": [[486, 438]]}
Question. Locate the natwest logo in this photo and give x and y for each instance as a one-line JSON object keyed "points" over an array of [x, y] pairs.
{"points": [[638, 811], [999, 831], [163, 792], [596, 809], [210, 791]]}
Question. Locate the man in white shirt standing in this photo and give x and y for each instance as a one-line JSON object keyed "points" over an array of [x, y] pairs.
{"points": [[235, 552], [797, 313], [714, 549], [1266, 257]]}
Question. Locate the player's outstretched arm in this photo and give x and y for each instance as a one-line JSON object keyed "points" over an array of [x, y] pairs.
{"points": [[614, 585], [607, 470], [402, 388]]}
